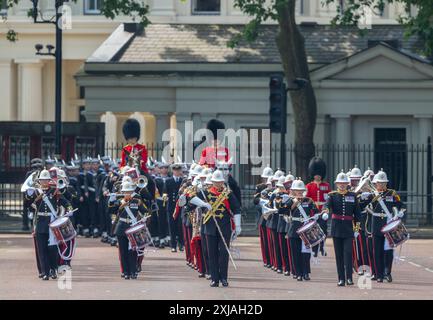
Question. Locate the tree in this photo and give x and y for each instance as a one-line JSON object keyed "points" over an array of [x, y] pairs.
{"points": [[290, 43], [292, 51]]}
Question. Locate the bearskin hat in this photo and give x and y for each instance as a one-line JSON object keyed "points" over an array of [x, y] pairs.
{"points": [[131, 129], [214, 125], [317, 167]]}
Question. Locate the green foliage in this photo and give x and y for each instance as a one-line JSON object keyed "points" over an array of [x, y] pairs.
{"points": [[419, 24]]}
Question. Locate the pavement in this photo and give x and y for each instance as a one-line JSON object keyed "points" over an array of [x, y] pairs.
{"points": [[95, 275]]}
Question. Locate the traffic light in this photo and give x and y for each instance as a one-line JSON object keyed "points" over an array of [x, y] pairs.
{"points": [[278, 104]]}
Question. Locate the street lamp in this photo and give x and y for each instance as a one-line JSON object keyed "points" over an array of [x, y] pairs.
{"points": [[38, 18]]}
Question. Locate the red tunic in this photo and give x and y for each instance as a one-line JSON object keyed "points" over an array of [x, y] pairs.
{"points": [[137, 148], [208, 156], [319, 193]]}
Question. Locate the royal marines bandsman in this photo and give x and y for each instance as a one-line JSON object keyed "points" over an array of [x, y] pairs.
{"points": [[318, 190], [345, 212], [223, 211], [380, 212], [126, 212], [302, 210], [46, 202], [261, 195]]}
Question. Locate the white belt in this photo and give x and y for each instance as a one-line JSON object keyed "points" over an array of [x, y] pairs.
{"points": [[88, 188], [126, 220], [382, 215], [297, 219], [44, 214]]}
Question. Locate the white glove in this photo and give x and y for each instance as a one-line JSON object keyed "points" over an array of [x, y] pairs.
{"points": [[365, 195], [316, 217], [30, 215], [112, 197], [400, 214], [238, 228], [356, 234], [325, 216], [30, 191], [285, 198], [200, 203]]}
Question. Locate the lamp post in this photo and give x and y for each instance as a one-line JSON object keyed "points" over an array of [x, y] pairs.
{"points": [[56, 20]]}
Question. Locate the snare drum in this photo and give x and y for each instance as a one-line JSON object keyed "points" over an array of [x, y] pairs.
{"points": [[396, 233], [311, 234], [63, 229], [138, 236]]}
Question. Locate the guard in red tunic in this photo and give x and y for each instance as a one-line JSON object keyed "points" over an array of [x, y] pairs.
{"points": [[215, 151], [318, 191], [133, 153]]}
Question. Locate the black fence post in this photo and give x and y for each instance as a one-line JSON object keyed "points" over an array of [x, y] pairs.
{"points": [[429, 182]]}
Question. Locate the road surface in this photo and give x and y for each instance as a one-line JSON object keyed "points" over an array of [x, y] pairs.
{"points": [[96, 275]]}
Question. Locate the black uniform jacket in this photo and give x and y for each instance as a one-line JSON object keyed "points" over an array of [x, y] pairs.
{"points": [[229, 206], [56, 199], [172, 188], [310, 209], [118, 208], [344, 211], [390, 199]]}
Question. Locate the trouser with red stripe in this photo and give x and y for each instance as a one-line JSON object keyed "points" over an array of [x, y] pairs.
{"points": [[370, 254], [270, 246], [296, 249], [197, 254], [277, 250], [187, 240], [379, 255], [38, 264], [290, 255], [360, 254], [343, 257], [264, 245], [389, 257], [284, 252], [205, 253]]}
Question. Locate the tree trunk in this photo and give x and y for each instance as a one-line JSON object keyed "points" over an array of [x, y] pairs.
{"points": [[291, 46]]}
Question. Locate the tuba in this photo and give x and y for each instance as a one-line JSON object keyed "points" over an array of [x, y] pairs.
{"points": [[365, 185], [196, 221], [142, 182]]}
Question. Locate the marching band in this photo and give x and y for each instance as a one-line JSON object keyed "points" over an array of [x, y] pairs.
{"points": [[136, 203]]}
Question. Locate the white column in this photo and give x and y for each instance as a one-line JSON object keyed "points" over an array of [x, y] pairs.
{"points": [[110, 121], [8, 112], [424, 128], [140, 118], [163, 8], [30, 107], [343, 138], [343, 129], [162, 124]]}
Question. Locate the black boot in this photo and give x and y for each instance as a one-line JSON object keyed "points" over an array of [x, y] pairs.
{"points": [[341, 283], [214, 284], [299, 278], [53, 274], [307, 277], [349, 282], [388, 278], [224, 283], [45, 277]]}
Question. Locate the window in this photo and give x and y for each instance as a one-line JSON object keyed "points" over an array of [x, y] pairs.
{"points": [[3, 8], [92, 6], [19, 151], [206, 6], [85, 146]]}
